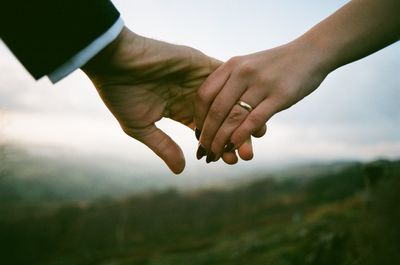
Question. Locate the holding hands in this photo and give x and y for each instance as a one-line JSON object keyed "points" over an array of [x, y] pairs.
{"points": [[143, 80], [238, 99]]}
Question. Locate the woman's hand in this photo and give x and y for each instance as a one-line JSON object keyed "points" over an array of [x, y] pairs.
{"points": [[273, 80], [269, 81]]}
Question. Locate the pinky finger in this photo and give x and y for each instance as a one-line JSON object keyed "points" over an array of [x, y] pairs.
{"points": [[260, 133], [255, 120]]}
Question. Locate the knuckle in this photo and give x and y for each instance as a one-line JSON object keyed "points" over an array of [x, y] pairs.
{"points": [[128, 131], [255, 121], [160, 145], [246, 69], [265, 80], [223, 135], [134, 133], [203, 96], [282, 88], [239, 136], [234, 61], [236, 116], [216, 112]]}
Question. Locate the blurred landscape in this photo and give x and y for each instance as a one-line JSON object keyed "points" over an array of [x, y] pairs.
{"points": [[70, 211]]}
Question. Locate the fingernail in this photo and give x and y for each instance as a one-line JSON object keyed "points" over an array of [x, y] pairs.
{"points": [[201, 151], [210, 157], [230, 147], [197, 132]]}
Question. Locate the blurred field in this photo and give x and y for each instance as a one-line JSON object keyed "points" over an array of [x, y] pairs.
{"points": [[338, 217]]}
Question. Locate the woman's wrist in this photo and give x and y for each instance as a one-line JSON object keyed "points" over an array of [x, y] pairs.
{"points": [[358, 29], [315, 56]]}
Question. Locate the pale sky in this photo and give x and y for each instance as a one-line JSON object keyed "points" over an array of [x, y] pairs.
{"points": [[355, 113]]}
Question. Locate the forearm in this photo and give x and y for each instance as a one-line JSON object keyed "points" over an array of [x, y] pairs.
{"points": [[358, 29]]}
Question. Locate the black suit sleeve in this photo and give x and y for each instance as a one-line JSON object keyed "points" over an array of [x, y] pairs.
{"points": [[44, 34]]}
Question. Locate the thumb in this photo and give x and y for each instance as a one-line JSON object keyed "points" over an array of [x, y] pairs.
{"points": [[161, 144]]}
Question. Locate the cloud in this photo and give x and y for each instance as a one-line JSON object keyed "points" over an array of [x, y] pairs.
{"points": [[355, 112], [19, 92]]}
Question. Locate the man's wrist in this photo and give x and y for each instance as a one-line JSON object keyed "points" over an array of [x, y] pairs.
{"points": [[106, 58], [87, 53]]}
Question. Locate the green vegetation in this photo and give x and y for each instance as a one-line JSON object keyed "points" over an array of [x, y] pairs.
{"points": [[346, 217]]}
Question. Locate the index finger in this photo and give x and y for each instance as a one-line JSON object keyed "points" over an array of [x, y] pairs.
{"points": [[207, 93]]}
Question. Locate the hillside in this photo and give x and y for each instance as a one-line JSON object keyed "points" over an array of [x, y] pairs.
{"points": [[39, 175], [56, 175], [347, 217]]}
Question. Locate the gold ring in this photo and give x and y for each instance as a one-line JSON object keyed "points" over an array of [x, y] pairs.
{"points": [[245, 105]]}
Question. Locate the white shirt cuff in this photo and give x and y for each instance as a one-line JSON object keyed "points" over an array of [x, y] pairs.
{"points": [[82, 57]]}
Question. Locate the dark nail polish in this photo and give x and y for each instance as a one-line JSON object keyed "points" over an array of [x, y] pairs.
{"points": [[197, 132], [210, 157], [230, 147], [201, 151]]}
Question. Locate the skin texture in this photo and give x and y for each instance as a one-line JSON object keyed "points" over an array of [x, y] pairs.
{"points": [[274, 80], [142, 81]]}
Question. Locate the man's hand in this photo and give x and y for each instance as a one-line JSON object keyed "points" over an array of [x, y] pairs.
{"points": [[142, 80]]}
